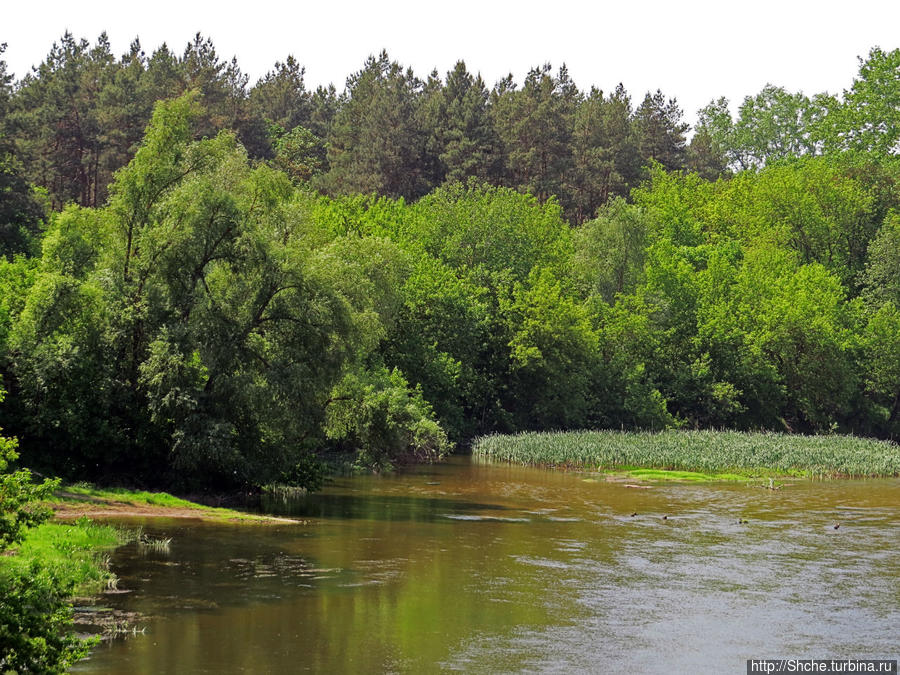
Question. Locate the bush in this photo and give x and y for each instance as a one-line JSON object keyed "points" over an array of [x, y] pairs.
{"points": [[35, 619], [36, 622]]}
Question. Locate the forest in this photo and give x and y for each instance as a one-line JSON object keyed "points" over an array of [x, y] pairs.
{"points": [[211, 285]]}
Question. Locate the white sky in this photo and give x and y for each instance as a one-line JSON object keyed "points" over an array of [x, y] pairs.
{"points": [[695, 50]]}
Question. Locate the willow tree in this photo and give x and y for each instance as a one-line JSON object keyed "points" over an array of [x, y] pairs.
{"points": [[208, 337]]}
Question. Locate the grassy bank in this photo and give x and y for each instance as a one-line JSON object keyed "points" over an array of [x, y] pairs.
{"points": [[73, 553], [710, 453], [79, 500]]}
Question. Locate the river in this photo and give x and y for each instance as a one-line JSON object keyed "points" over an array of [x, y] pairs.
{"points": [[481, 568]]}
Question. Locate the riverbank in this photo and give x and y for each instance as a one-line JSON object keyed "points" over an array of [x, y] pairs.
{"points": [[79, 501], [52, 565], [704, 455]]}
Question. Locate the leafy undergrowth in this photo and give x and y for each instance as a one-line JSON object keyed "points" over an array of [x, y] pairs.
{"points": [[697, 455]]}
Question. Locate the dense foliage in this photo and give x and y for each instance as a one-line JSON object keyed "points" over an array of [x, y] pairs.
{"points": [[195, 328], [225, 287]]}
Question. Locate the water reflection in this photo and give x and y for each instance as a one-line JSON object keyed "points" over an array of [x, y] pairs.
{"points": [[476, 568], [353, 505]]}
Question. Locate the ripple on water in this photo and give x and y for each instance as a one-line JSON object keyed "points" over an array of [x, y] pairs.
{"points": [[280, 566], [497, 519]]}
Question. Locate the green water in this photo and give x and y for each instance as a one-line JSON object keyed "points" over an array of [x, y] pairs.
{"points": [[477, 568]]}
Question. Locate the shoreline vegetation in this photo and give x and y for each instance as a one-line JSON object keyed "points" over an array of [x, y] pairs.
{"points": [[71, 552], [697, 455]]}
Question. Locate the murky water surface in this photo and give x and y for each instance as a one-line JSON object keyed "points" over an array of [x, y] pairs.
{"points": [[483, 568]]}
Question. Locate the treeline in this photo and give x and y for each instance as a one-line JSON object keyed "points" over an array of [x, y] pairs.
{"points": [[219, 321], [80, 115]]}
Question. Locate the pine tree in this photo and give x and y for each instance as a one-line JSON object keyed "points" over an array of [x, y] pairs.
{"points": [[535, 127], [604, 155], [56, 121], [463, 134], [376, 143], [281, 97], [660, 131]]}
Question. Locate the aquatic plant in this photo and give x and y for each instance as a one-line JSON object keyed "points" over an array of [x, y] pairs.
{"points": [[746, 454], [157, 544]]}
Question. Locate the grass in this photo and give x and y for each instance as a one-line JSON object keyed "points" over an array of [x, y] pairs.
{"points": [[687, 476], [83, 492], [158, 544], [697, 455], [87, 494], [73, 553]]}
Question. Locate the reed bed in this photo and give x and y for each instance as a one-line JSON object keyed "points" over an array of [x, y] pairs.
{"points": [[710, 452]]}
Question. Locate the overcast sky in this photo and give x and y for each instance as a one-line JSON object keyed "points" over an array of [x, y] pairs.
{"points": [[695, 50]]}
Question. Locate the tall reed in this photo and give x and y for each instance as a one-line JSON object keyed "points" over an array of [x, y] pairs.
{"points": [[749, 454]]}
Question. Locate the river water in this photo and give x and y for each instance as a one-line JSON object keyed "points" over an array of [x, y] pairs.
{"points": [[483, 568]]}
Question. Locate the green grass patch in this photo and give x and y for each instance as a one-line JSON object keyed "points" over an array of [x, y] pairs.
{"points": [[88, 494], [74, 553], [697, 455], [83, 492], [686, 476]]}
